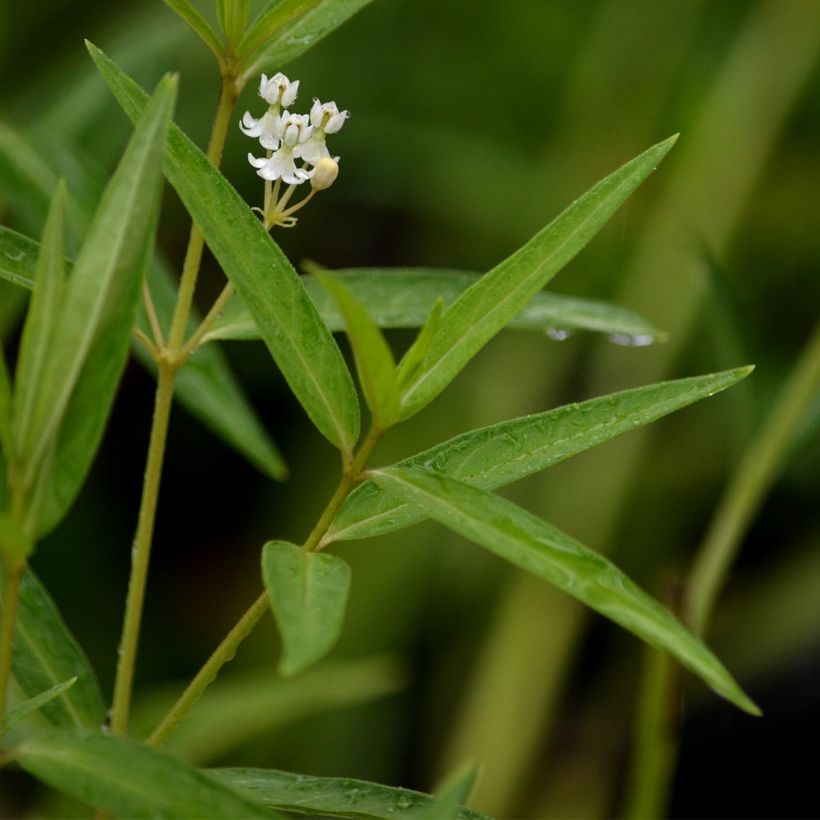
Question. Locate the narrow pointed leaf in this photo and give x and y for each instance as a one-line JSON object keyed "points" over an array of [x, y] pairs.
{"points": [[90, 340], [284, 29], [308, 594], [335, 796], [497, 455], [5, 413], [374, 359], [415, 356], [205, 386], [543, 550], [198, 24], [271, 289], [129, 779], [405, 297], [451, 795], [32, 705], [42, 316], [486, 307], [46, 654], [233, 17]]}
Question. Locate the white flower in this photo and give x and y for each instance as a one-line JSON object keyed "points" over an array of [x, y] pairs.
{"points": [[267, 128], [326, 119], [278, 90], [294, 130]]}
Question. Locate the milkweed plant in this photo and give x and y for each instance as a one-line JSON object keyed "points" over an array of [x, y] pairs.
{"points": [[116, 295]]}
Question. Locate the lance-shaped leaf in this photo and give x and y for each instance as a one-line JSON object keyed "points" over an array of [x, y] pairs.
{"points": [[417, 352], [46, 654], [374, 359], [543, 550], [89, 343], [405, 297], [274, 294], [451, 795], [205, 386], [308, 595], [30, 706], [486, 307], [233, 17], [43, 313], [129, 779], [284, 29], [335, 796], [5, 415], [493, 456], [199, 25]]}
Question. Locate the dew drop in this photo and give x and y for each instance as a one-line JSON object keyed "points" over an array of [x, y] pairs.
{"points": [[559, 334], [626, 340]]}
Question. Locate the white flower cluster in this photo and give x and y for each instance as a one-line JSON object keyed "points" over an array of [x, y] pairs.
{"points": [[289, 138]]}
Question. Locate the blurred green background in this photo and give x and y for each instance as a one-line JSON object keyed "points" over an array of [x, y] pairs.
{"points": [[472, 124]]}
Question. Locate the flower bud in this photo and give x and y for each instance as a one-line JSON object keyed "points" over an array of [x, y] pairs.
{"points": [[324, 174]]}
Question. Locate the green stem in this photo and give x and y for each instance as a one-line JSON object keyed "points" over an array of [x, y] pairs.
{"points": [[196, 242], [169, 359], [754, 475], [656, 740], [141, 552], [230, 643], [11, 600], [204, 326]]}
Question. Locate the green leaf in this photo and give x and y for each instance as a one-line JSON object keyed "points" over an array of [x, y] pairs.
{"points": [[486, 307], [31, 705], [451, 795], [308, 594], [541, 549], [497, 455], [335, 796], [249, 706], [233, 17], [374, 359], [414, 357], [302, 346], [46, 654], [205, 386], [41, 319], [18, 258], [284, 29], [89, 343], [5, 411], [200, 26], [128, 779], [405, 297]]}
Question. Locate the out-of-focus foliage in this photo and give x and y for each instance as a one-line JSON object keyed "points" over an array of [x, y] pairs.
{"points": [[472, 125]]}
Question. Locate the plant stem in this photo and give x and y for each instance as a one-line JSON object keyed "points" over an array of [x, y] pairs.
{"points": [[141, 552], [656, 740], [169, 359], [196, 242], [754, 475], [218, 306], [11, 600], [151, 312], [230, 643]]}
